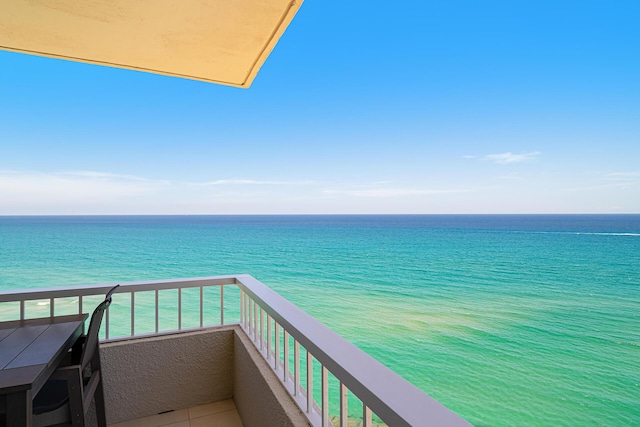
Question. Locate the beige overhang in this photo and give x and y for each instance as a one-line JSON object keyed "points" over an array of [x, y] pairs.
{"points": [[217, 41]]}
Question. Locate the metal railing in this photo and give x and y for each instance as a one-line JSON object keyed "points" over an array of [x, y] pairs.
{"points": [[23, 304], [274, 325]]}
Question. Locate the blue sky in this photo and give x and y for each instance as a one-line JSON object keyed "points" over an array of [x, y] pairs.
{"points": [[362, 107]]}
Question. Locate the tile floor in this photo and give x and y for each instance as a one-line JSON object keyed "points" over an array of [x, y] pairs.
{"points": [[218, 414]]}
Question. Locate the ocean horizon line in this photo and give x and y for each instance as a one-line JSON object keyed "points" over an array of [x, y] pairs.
{"points": [[320, 214]]}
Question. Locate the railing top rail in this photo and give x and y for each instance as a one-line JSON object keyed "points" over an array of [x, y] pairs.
{"points": [[391, 397], [86, 290]]}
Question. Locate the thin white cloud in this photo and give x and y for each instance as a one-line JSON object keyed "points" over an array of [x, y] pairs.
{"points": [[388, 192], [239, 181], [82, 185], [106, 177], [622, 180], [17, 180], [622, 176], [28, 192], [508, 158], [511, 177]]}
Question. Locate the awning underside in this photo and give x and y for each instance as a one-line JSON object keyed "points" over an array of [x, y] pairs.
{"points": [[219, 41]]}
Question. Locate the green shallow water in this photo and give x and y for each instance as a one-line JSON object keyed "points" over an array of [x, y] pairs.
{"points": [[507, 320]]}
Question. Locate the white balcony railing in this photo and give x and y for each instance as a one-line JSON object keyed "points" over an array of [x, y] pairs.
{"points": [[275, 325]]}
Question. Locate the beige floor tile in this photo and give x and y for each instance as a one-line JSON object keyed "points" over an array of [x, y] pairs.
{"points": [[211, 408], [221, 419], [218, 414], [180, 424], [157, 420]]}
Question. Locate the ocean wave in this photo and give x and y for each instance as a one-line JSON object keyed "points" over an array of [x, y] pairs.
{"points": [[587, 233], [608, 234]]}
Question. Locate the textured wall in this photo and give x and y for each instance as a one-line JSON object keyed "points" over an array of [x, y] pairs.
{"points": [[260, 398], [146, 376]]}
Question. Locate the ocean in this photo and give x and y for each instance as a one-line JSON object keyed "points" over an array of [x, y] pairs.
{"points": [[508, 320]]}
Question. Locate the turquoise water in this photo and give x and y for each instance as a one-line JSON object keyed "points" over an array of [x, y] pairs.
{"points": [[507, 320]]}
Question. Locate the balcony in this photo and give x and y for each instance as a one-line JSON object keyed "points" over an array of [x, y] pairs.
{"points": [[181, 346]]}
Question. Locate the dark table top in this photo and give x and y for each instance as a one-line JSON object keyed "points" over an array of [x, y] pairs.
{"points": [[30, 350]]}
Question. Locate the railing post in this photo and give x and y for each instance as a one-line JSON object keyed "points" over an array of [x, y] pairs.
{"points": [[366, 416], [296, 366], [106, 326], [242, 308], [157, 312], [325, 396], [268, 337], [309, 382], [251, 325], [276, 342], [221, 304], [285, 335], [256, 309], [261, 328], [133, 313], [201, 306], [344, 406], [106, 318], [179, 308]]}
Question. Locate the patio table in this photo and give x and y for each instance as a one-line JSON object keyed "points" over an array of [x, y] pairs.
{"points": [[30, 350]]}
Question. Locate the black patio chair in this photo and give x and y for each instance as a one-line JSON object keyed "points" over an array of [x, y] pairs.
{"points": [[66, 397]]}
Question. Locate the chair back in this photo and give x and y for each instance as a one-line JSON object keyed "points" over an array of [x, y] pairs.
{"points": [[91, 341]]}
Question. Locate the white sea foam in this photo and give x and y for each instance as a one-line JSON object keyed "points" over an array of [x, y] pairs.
{"points": [[609, 234]]}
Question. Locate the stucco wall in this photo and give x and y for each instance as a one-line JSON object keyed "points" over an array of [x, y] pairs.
{"points": [[146, 376], [260, 398]]}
